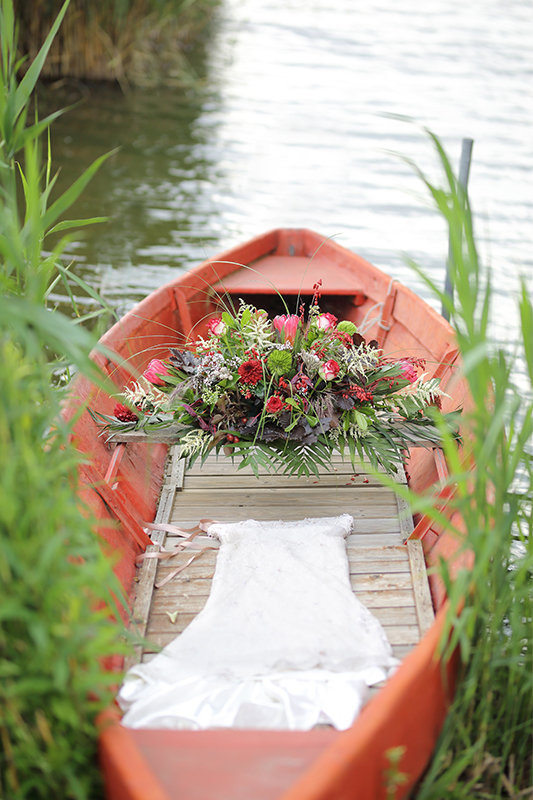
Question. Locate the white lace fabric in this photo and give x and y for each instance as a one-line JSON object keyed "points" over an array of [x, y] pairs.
{"points": [[282, 641]]}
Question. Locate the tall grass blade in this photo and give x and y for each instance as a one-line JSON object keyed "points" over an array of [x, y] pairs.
{"points": [[71, 194], [27, 84]]}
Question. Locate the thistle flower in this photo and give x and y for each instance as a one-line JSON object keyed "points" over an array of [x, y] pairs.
{"points": [[345, 326], [279, 362]]}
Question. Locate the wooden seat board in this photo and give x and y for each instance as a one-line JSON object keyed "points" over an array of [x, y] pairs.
{"points": [[405, 635], [176, 619]]}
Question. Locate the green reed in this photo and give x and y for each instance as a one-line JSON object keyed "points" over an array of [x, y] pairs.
{"points": [[486, 744], [55, 585]]}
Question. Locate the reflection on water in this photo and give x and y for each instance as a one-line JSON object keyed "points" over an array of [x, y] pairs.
{"points": [[295, 125], [156, 188]]}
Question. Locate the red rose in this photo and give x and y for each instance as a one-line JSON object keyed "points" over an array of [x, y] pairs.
{"points": [[251, 371], [274, 404]]}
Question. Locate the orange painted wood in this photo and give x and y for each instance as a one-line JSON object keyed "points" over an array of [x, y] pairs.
{"points": [[446, 363], [292, 275], [441, 465], [425, 523], [116, 503], [319, 765], [114, 464], [127, 773], [386, 321], [185, 314], [233, 765], [354, 765], [114, 537], [448, 547]]}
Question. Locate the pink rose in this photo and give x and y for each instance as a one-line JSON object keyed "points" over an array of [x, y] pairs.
{"points": [[154, 370], [326, 321], [287, 325], [329, 370], [216, 327], [408, 372]]}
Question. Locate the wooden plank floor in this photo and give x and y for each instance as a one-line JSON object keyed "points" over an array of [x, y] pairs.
{"points": [[387, 575]]}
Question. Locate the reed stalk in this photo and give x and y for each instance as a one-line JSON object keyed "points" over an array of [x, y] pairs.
{"points": [[56, 586], [486, 745]]}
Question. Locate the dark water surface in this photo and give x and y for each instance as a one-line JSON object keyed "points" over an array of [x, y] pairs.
{"points": [[293, 125]]}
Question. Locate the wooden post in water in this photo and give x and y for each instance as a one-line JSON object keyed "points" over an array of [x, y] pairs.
{"points": [[464, 170]]}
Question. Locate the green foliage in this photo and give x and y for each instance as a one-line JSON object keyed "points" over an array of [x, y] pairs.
{"points": [[485, 748], [56, 586], [346, 326], [54, 582], [279, 362], [14, 96], [29, 212]]}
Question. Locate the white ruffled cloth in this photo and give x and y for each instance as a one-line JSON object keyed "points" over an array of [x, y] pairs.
{"points": [[282, 642]]}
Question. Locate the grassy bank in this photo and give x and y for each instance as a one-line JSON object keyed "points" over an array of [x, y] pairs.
{"points": [[132, 42]]}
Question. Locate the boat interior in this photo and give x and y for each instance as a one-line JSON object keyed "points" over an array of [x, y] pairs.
{"points": [[129, 482]]}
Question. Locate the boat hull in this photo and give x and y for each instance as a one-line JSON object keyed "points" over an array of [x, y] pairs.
{"points": [[121, 485]]}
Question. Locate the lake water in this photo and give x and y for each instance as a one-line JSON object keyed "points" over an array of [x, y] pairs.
{"points": [[294, 122]]}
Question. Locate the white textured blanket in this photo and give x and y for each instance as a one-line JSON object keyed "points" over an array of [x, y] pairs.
{"points": [[281, 643]]}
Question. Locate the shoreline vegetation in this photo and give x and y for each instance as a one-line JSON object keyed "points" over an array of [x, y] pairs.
{"points": [[60, 603], [133, 43]]}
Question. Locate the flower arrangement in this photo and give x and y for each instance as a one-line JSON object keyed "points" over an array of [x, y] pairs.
{"points": [[284, 394]]}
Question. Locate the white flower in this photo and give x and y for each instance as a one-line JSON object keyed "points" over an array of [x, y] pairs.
{"points": [[193, 441]]}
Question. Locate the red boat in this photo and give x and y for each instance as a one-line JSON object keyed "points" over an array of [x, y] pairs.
{"points": [[129, 484]]}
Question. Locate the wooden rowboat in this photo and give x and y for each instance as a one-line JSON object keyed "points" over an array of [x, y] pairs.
{"points": [[133, 482]]}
